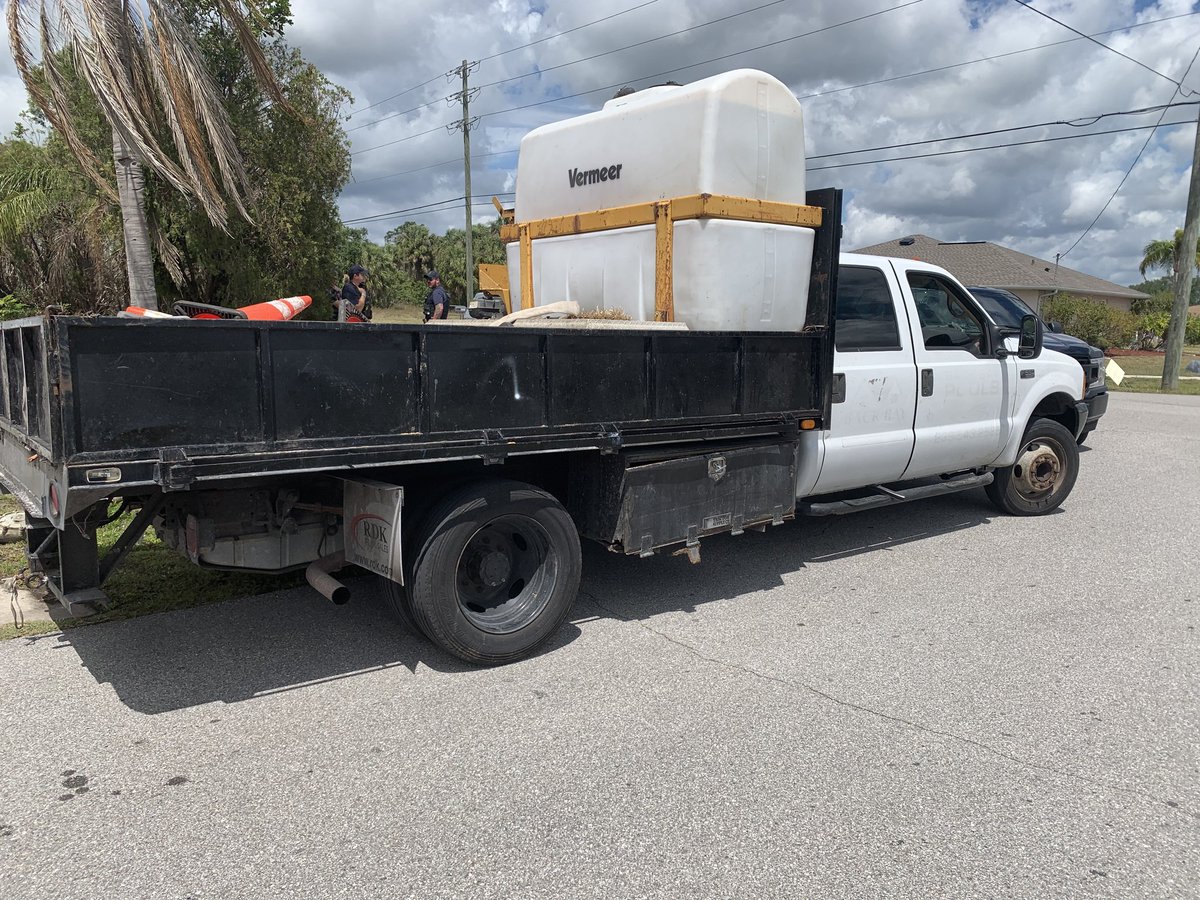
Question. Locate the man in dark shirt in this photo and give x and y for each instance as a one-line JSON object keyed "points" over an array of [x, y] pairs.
{"points": [[437, 304], [354, 295]]}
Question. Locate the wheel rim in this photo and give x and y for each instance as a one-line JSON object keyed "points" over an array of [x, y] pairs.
{"points": [[1040, 470], [506, 574]]}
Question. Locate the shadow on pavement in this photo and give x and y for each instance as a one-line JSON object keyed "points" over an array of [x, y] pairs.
{"points": [[257, 646], [633, 588], [254, 646]]}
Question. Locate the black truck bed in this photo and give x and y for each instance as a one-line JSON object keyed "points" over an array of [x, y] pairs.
{"points": [[95, 407], [175, 402]]}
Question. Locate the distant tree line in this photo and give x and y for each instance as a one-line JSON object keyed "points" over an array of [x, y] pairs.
{"points": [[409, 251]]}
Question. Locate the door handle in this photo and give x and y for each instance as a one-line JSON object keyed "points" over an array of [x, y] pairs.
{"points": [[927, 382], [839, 387]]}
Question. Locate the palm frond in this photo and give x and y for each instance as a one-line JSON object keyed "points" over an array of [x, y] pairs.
{"points": [[149, 78]]}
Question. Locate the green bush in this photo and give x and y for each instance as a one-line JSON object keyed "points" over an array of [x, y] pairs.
{"points": [[12, 308], [1094, 321], [1192, 334]]}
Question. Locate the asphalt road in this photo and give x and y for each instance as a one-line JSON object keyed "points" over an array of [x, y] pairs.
{"points": [[927, 701]]}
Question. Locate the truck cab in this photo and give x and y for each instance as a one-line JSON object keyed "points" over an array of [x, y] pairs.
{"points": [[926, 386], [1007, 309]]}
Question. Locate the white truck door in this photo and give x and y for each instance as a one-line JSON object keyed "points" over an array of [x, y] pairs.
{"points": [[962, 387], [870, 436]]}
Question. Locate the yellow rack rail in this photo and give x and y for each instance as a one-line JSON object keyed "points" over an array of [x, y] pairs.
{"points": [[663, 214]]}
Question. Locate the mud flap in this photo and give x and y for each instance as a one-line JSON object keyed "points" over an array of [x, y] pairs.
{"points": [[371, 522]]}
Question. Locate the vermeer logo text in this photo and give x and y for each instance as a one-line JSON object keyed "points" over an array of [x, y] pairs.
{"points": [[580, 177]]}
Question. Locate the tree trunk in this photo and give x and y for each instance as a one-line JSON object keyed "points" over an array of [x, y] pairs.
{"points": [[138, 261], [1186, 261]]}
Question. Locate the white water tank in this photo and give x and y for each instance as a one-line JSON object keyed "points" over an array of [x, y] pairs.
{"points": [[740, 134]]}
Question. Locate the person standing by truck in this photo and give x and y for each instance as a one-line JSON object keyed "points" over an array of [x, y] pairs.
{"points": [[354, 296], [437, 304]]}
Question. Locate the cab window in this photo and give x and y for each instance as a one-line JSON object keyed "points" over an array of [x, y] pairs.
{"points": [[866, 315], [948, 320]]}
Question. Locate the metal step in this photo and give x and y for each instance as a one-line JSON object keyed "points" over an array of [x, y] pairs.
{"points": [[885, 496]]}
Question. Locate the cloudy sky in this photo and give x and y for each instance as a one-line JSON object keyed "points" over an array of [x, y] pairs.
{"points": [[928, 75]]}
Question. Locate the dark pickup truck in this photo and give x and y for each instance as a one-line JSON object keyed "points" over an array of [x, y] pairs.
{"points": [[1007, 309]]}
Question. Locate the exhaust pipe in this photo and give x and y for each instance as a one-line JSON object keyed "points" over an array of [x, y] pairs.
{"points": [[325, 584]]}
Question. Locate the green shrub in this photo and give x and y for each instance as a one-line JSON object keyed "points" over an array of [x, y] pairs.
{"points": [[13, 308], [1094, 321], [1192, 334]]}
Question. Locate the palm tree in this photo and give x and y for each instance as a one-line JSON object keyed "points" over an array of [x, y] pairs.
{"points": [[1165, 255], [148, 76]]}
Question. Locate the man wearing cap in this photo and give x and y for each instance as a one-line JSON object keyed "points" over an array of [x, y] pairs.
{"points": [[354, 293], [437, 304]]}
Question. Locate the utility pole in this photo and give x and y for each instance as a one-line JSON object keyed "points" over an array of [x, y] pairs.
{"points": [[1185, 263], [465, 124]]}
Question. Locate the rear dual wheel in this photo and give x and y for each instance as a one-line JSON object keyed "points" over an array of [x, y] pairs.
{"points": [[495, 572]]}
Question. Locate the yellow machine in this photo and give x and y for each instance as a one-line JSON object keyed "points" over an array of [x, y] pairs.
{"points": [[491, 300]]}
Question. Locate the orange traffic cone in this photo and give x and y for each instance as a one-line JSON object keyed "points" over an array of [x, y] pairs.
{"points": [[272, 310], [277, 310], [136, 311]]}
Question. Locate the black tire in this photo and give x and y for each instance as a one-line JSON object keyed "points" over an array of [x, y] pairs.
{"points": [[1043, 475], [400, 604], [496, 573]]}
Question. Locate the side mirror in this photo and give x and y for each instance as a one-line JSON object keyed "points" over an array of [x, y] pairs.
{"points": [[1056, 326], [1030, 344]]}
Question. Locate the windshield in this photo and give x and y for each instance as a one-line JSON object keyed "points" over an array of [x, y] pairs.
{"points": [[1005, 308]]}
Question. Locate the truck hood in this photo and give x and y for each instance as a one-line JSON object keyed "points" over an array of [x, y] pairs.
{"points": [[1074, 347]]}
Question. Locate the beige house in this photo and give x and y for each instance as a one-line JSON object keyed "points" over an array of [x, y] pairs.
{"points": [[984, 264]]}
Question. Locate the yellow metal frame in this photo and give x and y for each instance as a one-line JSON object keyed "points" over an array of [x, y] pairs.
{"points": [[662, 214]]}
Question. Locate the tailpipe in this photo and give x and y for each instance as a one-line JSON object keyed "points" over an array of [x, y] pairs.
{"points": [[325, 584]]}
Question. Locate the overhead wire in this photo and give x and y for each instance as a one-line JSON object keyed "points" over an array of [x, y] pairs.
{"points": [[1149, 137], [661, 37], [1077, 122], [448, 203], [1046, 140], [705, 62], [485, 59], [972, 62], [841, 89], [569, 31], [1136, 62]]}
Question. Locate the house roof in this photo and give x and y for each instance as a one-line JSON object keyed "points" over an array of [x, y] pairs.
{"points": [[986, 264]]}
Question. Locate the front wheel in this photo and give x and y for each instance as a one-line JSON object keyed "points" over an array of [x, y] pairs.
{"points": [[1043, 475], [496, 572]]}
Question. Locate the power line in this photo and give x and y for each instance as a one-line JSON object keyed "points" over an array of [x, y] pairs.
{"points": [[394, 96], [835, 90], [569, 30], [661, 37], [400, 140], [972, 62], [437, 165], [1073, 123], [395, 115], [794, 37], [446, 204], [1098, 43], [1048, 140], [485, 59], [1128, 171], [434, 212]]}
